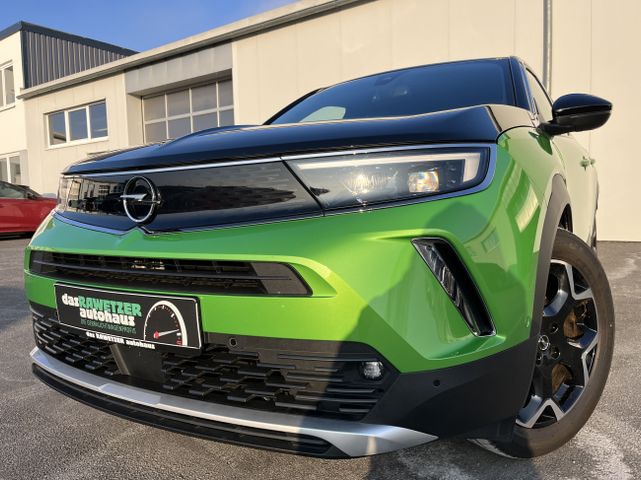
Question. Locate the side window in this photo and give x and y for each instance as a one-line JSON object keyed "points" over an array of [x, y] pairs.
{"points": [[8, 191], [7, 88], [88, 122], [543, 105]]}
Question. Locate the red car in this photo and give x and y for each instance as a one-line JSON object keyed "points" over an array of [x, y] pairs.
{"points": [[22, 209]]}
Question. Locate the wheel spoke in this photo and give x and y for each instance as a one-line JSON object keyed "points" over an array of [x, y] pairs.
{"points": [[565, 351], [563, 301], [584, 295], [542, 381], [577, 355], [587, 341], [531, 413], [572, 357], [571, 282], [559, 306], [559, 412]]}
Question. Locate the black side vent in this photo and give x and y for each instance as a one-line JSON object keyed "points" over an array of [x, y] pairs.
{"points": [[192, 276], [451, 273]]}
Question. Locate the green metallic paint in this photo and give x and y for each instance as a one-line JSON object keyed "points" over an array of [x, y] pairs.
{"points": [[369, 283]]}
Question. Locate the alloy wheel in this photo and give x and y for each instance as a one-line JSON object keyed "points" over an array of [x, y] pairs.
{"points": [[566, 348]]}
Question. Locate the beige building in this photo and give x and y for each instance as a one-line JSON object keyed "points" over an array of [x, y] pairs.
{"points": [[244, 72], [13, 136], [31, 55]]}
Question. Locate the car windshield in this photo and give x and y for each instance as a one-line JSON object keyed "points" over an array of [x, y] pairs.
{"points": [[411, 91]]}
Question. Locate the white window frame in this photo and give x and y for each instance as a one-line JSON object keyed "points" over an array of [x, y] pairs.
{"points": [[190, 114], [80, 141], [6, 164], [3, 89]]}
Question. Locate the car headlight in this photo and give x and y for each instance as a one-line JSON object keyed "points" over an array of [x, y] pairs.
{"points": [[63, 189], [354, 180]]}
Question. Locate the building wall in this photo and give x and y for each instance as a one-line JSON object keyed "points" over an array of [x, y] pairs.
{"points": [[274, 68], [13, 136], [45, 162], [185, 70], [594, 50]]}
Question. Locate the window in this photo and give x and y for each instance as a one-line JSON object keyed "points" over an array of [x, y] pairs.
{"points": [[10, 169], [7, 89], [324, 114], [88, 122], [410, 91], [98, 116], [174, 114], [78, 124], [541, 99], [9, 191]]}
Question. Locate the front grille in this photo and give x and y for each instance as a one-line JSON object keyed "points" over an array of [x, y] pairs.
{"points": [[191, 199], [193, 276], [81, 352], [271, 378], [223, 432]]}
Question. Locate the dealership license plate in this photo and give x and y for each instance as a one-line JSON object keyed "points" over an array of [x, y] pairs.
{"points": [[139, 320]]}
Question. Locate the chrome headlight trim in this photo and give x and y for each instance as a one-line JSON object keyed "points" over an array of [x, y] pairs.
{"points": [[484, 184]]}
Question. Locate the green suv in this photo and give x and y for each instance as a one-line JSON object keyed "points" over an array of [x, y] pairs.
{"points": [[391, 260]]}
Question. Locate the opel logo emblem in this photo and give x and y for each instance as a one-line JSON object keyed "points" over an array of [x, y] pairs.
{"points": [[140, 199]]}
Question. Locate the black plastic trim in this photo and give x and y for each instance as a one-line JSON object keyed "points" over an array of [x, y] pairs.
{"points": [[184, 275], [471, 306], [474, 399], [559, 200], [522, 91], [227, 433], [321, 378]]}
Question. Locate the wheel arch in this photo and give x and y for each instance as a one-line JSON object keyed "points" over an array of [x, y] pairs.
{"points": [[558, 214], [566, 219]]}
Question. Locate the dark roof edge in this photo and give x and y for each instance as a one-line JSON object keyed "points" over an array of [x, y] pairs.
{"points": [[10, 30], [31, 27]]}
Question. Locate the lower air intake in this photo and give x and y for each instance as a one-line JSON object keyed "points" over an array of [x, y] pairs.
{"points": [[192, 276]]}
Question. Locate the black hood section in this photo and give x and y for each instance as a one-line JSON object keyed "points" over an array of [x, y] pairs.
{"points": [[473, 124]]}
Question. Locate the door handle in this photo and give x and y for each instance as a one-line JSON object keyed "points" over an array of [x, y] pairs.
{"points": [[587, 161]]}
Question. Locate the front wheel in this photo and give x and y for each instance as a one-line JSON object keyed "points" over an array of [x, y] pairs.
{"points": [[573, 354]]}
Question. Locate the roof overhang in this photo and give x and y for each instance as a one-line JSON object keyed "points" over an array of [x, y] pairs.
{"points": [[275, 18]]}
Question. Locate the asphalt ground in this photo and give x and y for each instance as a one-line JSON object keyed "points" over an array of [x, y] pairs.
{"points": [[44, 435]]}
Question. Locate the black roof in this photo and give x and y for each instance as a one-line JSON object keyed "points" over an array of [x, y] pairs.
{"points": [[32, 27]]}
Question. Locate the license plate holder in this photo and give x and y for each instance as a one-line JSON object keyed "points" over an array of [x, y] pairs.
{"points": [[150, 321]]}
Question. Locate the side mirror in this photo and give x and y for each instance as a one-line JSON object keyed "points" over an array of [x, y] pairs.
{"points": [[577, 112]]}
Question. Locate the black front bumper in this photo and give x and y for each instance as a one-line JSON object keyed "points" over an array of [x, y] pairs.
{"points": [[223, 432], [321, 387]]}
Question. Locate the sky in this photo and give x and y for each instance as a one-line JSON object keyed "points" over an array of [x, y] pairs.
{"points": [[135, 24]]}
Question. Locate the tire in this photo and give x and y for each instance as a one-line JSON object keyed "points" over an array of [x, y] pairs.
{"points": [[541, 426]]}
